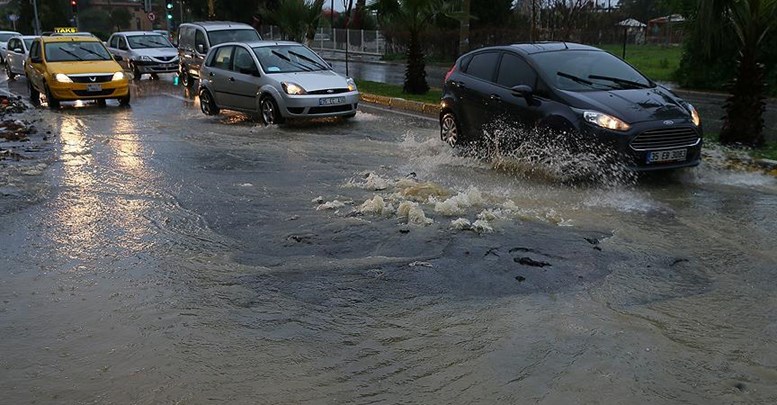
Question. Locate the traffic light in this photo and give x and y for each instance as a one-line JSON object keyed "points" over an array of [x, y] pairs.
{"points": [[169, 9], [74, 6]]}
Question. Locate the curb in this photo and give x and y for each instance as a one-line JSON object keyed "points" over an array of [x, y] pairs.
{"points": [[428, 109]]}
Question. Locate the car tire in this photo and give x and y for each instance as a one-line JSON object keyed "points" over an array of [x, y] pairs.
{"points": [[34, 94], [8, 72], [51, 100], [268, 110], [207, 103], [124, 101], [450, 130], [349, 116], [101, 103]]}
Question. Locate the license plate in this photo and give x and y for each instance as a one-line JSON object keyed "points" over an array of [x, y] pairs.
{"points": [[331, 100], [94, 87], [666, 155]]}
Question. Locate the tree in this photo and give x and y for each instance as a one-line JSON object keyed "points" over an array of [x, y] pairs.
{"points": [[297, 19], [120, 17], [413, 17], [750, 21]]}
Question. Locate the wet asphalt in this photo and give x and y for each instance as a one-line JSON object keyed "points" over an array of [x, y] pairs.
{"points": [[169, 257]]}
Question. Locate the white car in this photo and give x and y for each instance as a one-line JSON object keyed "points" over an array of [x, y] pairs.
{"points": [[145, 52], [4, 37], [18, 50]]}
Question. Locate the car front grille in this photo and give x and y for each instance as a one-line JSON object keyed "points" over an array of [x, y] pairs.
{"points": [[665, 138], [329, 91], [84, 93], [101, 78], [331, 109]]}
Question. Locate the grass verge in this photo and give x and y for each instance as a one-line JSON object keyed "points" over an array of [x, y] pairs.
{"points": [[391, 90]]}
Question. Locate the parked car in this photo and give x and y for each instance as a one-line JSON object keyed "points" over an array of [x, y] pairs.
{"points": [[276, 80], [578, 89], [144, 52], [16, 56], [195, 39], [74, 68], [4, 37]]}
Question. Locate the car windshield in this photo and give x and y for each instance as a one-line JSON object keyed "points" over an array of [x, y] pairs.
{"points": [[148, 41], [588, 71], [243, 35], [6, 37], [68, 51], [27, 43], [288, 59]]}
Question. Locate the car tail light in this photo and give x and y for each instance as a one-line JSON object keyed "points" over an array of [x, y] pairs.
{"points": [[450, 72]]}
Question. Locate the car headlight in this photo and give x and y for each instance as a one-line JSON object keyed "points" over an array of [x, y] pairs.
{"points": [[118, 76], [293, 89], [695, 118], [605, 121], [351, 84], [62, 78]]}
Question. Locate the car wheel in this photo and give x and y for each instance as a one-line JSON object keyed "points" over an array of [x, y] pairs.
{"points": [[207, 103], [101, 103], [450, 131], [8, 72], [124, 101], [349, 116], [269, 111], [53, 102], [34, 94]]}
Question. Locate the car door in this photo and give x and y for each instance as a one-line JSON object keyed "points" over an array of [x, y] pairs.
{"points": [[243, 82], [200, 50], [476, 87], [15, 55], [219, 69], [35, 70], [122, 49], [509, 106]]}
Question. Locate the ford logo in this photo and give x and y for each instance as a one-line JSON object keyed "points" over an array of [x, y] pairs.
{"points": [[668, 122]]}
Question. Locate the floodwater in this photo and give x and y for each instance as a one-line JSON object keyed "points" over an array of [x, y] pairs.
{"points": [[177, 258]]}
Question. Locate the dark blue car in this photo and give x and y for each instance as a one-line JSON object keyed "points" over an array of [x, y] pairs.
{"points": [[572, 89]]}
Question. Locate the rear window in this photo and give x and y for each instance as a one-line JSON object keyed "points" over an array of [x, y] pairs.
{"points": [[483, 65], [244, 35], [76, 51]]}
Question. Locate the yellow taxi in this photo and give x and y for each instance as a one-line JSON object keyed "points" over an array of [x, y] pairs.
{"points": [[67, 68]]}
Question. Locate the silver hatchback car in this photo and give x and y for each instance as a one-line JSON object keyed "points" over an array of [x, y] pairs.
{"points": [[276, 80]]}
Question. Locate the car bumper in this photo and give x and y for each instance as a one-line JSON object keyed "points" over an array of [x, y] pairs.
{"points": [[156, 67], [632, 148], [80, 91], [319, 105]]}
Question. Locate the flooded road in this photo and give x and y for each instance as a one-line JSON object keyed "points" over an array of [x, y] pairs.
{"points": [[178, 258]]}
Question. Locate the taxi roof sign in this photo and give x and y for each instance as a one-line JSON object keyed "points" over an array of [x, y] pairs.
{"points": [[65, 30]]}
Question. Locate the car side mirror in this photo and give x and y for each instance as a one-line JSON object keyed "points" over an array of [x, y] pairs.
{"points": [[523, 91], [17, 50], [117, 58], [201, 48]]}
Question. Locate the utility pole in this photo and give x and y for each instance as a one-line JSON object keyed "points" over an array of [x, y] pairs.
{"points": [[211, 9], [533, 33], [464, 31], [35, 12]]}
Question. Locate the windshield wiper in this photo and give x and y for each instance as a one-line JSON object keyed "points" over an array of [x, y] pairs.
{"points": [[575, 78], [286, 58], [102, 57], [620, 81], [313, 61], [71, 54]]}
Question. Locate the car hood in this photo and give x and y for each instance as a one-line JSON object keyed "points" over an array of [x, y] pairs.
{"points": [[97, 66], [313, 81], [632, 106], [156, 52]]}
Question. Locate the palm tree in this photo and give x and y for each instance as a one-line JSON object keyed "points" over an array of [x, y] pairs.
{"points": [[750, 21], [411, 16], [298, 19]]}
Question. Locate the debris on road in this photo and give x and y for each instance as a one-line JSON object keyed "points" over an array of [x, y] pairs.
{"points": [[528, 261]]}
